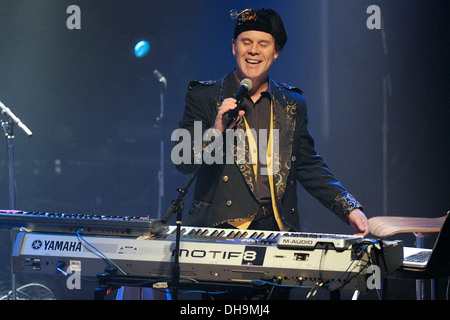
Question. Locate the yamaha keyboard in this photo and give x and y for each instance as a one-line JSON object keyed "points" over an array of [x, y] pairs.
{"points": [[70, 223], [213, 255]]}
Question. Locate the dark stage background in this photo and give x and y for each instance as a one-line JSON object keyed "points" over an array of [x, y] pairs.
{"points": [[93, 105]]}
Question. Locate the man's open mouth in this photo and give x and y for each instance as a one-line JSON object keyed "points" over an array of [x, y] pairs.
{"points": [[250, 61]]}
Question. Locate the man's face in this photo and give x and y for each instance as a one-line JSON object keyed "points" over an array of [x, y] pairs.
{"points": [[255, 52]]}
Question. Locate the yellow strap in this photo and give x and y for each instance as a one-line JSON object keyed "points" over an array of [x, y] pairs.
{"points": [[242, 224], [253, 157]]}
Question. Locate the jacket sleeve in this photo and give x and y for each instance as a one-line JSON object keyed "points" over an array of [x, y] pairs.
{"points": [[315, 176], [199, 116]]}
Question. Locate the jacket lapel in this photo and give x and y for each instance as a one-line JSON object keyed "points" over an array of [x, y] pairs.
{"points": [[284, 119]]}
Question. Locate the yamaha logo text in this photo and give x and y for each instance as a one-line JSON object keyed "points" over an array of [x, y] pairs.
{"points": [[57, 245]]}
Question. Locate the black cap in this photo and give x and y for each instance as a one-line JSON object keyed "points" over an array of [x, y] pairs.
{"points": [[266, 20]]}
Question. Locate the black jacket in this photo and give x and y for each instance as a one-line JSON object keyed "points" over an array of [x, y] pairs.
{"points": [[224, 192]]}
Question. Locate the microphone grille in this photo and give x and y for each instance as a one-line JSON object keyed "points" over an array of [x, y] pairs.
{"points": [[247, 83]]}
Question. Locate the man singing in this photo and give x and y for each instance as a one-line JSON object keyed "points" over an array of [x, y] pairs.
{"points": [[260, 194]]}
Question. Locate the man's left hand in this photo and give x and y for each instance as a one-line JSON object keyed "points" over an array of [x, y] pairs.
{"points": [[359, 222]]}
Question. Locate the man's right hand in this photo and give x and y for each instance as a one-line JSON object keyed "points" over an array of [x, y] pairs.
{"points": [[228, 104]]}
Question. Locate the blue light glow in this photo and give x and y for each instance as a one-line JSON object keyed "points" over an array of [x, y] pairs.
{"points": [[141, 49]]}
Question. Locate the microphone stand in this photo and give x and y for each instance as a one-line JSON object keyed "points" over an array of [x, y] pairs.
{"points": [[177, 206], [160, 124], [8, 127]]}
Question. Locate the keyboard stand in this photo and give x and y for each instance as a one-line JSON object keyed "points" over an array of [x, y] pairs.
{"points": [[110, 281]]}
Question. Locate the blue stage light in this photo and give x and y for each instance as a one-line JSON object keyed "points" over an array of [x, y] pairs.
{"points": [[141, 48]]}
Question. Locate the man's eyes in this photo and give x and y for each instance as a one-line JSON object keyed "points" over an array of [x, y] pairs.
{"points": [[261, 44]]}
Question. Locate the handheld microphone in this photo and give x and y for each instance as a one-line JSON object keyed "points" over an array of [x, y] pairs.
{"points": [[231, 115]]}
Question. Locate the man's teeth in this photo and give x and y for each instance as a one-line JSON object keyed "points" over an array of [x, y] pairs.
{"points": [[253, 61]]}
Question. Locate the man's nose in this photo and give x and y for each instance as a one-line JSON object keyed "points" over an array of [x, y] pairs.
{"points": [[253, 49]]}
